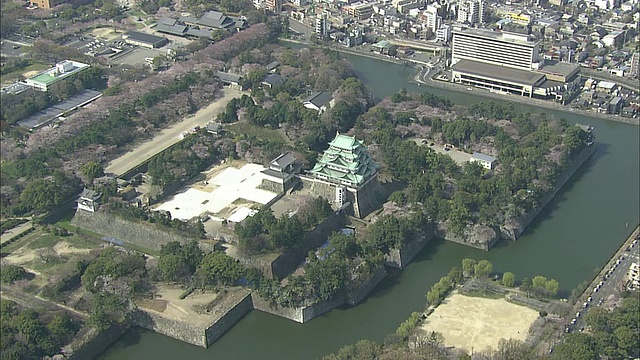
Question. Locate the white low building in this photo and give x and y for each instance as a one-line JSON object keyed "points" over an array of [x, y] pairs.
{"points": [[487, 162]]}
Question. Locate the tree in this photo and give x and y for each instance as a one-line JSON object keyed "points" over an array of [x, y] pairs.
{"points": [[539, 283], [575, 347], [508, 279], [526, 285], [468, 267], [216, 268], [483, 268], [12, 273], [455, 275], [552, 287]]}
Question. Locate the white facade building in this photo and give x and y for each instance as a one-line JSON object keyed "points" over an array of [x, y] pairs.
{"points": [[322, 25], [503, 49], [444, 34]]}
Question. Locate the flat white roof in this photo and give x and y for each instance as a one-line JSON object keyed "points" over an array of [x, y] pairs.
{"points": [[221, 191]]}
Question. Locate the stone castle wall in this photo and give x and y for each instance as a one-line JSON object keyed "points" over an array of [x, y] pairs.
{"points": [[399, 258], [176, 329], [355, 293], [234, 308], [93, 343], [514, 229], [286, 263], [271, 186], [137, 233], [478, 236], [300, 314], [230, 310]]}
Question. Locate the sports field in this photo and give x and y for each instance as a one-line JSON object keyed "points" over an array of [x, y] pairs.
{"points": [[475, 323]]}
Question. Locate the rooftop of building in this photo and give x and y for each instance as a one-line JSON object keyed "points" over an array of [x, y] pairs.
{"points": [[483, 157], [523, 77], [52, 75], [501, 36], [319, 99], [230, 77], [345, 142], [144, 37], [559, 68]]}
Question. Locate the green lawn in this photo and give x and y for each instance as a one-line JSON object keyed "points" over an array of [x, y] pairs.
{"points": [[44, 241]]}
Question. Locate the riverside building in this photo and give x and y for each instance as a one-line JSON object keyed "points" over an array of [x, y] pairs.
{"points": [[508, 63]]}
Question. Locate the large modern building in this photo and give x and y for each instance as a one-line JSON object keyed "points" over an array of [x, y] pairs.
{"points": [[62, 70], [509, 63], [346, 173], [515, 51]]}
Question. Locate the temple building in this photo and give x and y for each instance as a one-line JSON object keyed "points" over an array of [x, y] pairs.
{"points": [[347, 174]]}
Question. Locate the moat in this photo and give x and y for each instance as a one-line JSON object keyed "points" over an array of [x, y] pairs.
{"points": [[574, 235]]}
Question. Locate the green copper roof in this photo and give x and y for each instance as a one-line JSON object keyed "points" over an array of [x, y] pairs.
{"points": [[345, 142]]}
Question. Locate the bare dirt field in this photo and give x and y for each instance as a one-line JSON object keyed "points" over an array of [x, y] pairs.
{"points": [[105, 33], [30, 73], [474, 323], [170, 136]]}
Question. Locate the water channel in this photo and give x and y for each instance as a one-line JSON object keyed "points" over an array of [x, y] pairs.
{"points": [[573, 236]]}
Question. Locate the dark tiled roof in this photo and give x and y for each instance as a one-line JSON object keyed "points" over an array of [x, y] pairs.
{"points": [[319, 99], [274, 79]]}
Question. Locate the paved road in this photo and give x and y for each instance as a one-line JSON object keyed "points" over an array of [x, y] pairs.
{"points": [[171, 135], [10, 234], [609, 280]]}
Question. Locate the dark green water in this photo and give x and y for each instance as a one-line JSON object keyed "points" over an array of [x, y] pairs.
{"points": [[574, 235]]}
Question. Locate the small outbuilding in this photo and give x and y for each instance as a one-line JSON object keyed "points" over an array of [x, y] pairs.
{"points": [[487, 162]]}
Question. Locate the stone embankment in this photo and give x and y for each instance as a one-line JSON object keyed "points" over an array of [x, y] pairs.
{"points": [[484, 237], [513, 229], [136, 233], [399, 258], [227, 313]]}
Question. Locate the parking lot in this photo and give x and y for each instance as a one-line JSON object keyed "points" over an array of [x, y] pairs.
{"points": [[460, 157]]}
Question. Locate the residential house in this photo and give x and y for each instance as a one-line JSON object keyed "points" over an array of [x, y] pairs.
{"points": [[272, 80]]}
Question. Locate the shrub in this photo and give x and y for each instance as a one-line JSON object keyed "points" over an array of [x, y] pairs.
{"points": [[12, 273]]}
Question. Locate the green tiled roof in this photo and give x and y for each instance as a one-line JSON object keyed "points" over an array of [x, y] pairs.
{"points": [[345, 142]]}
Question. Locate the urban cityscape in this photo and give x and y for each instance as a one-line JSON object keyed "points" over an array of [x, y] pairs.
{"points": [[320, 179]]}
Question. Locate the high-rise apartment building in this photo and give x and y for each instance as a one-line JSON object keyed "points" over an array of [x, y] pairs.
{"points": [[472, 12], [503, 49], [432, 19], [322, 26]]}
